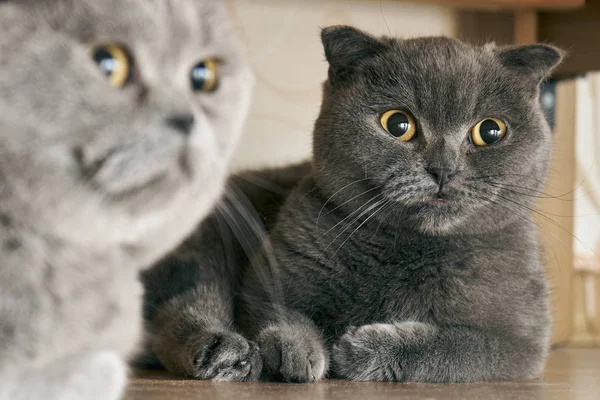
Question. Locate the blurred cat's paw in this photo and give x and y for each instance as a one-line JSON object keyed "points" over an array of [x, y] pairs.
{"points": [[227, 356], [292, 354], [374, 352]]}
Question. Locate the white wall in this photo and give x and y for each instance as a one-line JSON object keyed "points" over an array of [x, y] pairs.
{"points": [[283, 46]]}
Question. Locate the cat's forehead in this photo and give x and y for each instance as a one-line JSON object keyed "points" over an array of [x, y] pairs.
{"points": [[163, 24], [440, 58], [444, 80]]}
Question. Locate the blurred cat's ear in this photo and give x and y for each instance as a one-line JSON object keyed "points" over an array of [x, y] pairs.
{"points": [[345, 47], [536, 60]]}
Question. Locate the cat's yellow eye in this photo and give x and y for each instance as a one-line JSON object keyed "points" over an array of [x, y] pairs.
{"points": [[399, 124], [488, 131], [114, 61], [205, 76]]}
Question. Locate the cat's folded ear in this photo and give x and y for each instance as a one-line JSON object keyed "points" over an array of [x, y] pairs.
{"points": [[535, 60], [345, 47]]}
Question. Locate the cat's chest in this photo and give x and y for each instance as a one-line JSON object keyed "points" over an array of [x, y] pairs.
{"points": [[378, 279], [417, 269]]}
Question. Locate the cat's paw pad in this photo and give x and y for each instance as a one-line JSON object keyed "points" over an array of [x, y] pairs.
{"points": [[227, 356], [292, 354], [369, 353]]}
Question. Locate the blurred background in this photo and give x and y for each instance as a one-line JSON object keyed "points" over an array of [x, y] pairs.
{"points": [[282, 42], [282, 39]]}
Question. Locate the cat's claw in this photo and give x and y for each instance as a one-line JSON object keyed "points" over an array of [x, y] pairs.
{"points": [[227, 356], [290, 356]]}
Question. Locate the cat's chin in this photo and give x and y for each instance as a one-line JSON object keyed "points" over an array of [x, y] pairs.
{"points": [[436, 216]]}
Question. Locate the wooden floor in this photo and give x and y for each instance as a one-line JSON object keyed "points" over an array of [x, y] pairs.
{"points": [[570, 374]]}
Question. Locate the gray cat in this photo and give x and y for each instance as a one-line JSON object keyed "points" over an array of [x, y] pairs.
{"points": [[407, 253], [117, 120]]}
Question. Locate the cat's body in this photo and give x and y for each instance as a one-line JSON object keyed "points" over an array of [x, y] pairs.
{"points": [[396, 304], [409, 254], [405, 256], [103, 169]]}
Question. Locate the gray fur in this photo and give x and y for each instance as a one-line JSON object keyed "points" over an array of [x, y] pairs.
{"points": [[94, 184], [395, 287], [360, 277], [189, 297]]}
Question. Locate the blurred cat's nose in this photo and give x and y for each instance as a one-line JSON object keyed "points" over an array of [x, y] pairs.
{"points": [[182, 123], [441, 175]]}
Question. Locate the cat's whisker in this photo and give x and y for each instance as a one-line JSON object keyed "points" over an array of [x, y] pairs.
{"points": [[385, 204], [351, 215], [264, 184], [503, 187], [334, 194], [528, 176], [348, 201], [225, 235], [389, 209], [265, 270], [526, 191], [510, 211], [545, 195], [542, 215], [377, 204]]}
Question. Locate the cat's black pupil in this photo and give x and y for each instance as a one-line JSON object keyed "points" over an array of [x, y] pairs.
{"points": [[398, 124], [105, 61], [490, 131], [200, 75]]}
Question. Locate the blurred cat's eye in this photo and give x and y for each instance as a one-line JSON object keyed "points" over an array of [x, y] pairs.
{"points": [[488, 131], [399, 124], [205, 76], [114, 61]]}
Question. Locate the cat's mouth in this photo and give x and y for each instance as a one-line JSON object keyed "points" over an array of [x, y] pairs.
{"points": [[439, 199], [122, 182]]}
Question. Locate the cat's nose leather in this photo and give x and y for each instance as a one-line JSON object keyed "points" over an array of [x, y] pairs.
{"points": [[182, 123], [441, 175]]}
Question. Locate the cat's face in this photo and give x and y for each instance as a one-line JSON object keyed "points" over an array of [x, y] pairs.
{"points": [[431, 164], [118, 117]]}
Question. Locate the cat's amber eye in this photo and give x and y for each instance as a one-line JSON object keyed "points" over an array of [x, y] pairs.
{"points": [[114, 61], [399, 124], [488, 131], [205, 76]]}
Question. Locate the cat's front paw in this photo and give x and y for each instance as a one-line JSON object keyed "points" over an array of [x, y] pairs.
{"points": [[227, 356], [292, 354], [375, 352]]}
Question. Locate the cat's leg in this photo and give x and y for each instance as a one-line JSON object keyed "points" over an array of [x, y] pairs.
{"points": [[193, 335], [420, 352], [93, 376], [189, 308], [292, 348]]}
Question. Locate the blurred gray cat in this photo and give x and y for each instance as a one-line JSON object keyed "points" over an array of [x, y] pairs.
{"points": [[408, 252], [117, 121]]}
